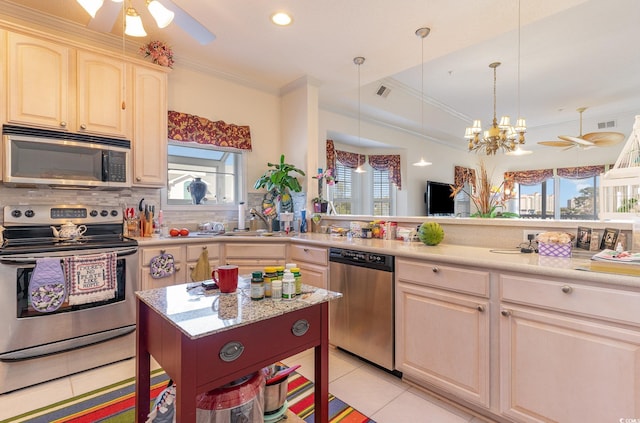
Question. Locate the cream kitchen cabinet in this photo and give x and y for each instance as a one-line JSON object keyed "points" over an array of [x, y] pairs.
{"points": [[313, 263], [195, 250], [569, 352], [442, 328], [3, 89], [180, 275], [250, 257], [38, 75], [59, 87], [150, 127]]}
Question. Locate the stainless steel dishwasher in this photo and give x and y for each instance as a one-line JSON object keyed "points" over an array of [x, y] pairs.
{"points": [[362, 321]]}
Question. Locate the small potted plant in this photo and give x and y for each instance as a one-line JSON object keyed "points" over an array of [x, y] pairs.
{"points": [[276, 180]]}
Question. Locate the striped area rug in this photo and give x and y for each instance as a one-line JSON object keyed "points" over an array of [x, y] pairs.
{"points": [[116, 403]]}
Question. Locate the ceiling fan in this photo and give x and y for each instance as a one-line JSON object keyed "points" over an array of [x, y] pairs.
{"points": [[586, 141], [105, 13]]}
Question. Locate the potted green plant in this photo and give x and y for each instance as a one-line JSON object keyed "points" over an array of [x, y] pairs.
{"points": [[276, 180]]}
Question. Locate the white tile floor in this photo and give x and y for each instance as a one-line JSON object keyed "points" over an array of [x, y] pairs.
{"points": [[379, 395]]}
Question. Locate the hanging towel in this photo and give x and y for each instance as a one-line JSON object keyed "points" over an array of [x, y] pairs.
{"points": [[47, 289], [91, 278], [202, 271]]}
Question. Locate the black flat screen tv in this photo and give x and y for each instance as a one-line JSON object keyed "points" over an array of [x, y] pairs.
{"points": [[438, 199]]}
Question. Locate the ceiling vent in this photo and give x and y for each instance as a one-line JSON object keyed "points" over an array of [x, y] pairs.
{"points": [[605, 125], [383, 91]]}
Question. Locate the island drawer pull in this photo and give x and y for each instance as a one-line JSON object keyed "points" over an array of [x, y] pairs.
{"points": [[300, 327], [231, 351]]}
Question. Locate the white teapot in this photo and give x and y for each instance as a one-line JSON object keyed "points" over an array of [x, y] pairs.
{"points": [[69, 231]]}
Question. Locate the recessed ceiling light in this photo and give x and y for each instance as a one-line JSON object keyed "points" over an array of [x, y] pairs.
{"points": [[281, 18]]}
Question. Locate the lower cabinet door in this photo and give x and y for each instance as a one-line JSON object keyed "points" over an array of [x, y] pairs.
{"points": [[556, 368], [442, 339]]}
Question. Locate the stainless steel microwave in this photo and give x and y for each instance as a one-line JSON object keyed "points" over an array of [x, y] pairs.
{"points": [[61, 159]]}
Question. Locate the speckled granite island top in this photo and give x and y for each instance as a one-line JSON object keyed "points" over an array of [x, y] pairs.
{"points": [[198, 312]]}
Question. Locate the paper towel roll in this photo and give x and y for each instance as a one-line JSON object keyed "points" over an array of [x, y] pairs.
{"points": [[241, 216]]}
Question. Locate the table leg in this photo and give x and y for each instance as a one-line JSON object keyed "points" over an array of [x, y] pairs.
{"points": [[321, 370], [143, 365]]}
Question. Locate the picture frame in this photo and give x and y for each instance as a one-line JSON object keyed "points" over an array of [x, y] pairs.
{"points": [[583, 240], [609, 239]]}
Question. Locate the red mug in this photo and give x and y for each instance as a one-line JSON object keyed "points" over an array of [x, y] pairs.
{"points": [[227, 277]]}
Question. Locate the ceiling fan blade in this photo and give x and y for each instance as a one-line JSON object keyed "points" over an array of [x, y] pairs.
{"points": [[604, 139], [557, 143], [106, 17], [576, 140], [189, 24]]}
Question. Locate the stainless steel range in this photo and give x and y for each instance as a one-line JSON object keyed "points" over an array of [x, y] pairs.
{"points": [[67, 301]]}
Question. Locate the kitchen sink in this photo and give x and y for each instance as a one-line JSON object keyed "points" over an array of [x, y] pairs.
{"points": [[253, 233]]}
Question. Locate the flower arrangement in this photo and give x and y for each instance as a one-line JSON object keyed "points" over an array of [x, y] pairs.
{"points": [[486, 197], [159, 52], [326, 176]]}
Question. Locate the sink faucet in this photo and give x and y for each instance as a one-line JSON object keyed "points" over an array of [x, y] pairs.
{"points": [[266, 219]]}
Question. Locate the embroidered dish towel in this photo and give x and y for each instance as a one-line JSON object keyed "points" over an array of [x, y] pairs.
{"points": [[47, 289], [202, 270], [162, 266], [91, 278]]}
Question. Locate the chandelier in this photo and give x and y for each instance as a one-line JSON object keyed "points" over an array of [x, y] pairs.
{"points": [[500, 136]]}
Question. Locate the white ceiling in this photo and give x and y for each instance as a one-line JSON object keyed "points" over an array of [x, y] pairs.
{"points": [[573, 53]]}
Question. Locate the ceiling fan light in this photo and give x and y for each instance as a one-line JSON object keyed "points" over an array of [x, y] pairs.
{"points": [[133, 24], [161, 14], [91, 6]]}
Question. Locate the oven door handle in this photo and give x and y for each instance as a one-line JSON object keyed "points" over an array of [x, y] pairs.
{"points": [[22, 259]]}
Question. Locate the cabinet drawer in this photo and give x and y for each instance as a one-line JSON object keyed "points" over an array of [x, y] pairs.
{"points": [[262, 343], [258, 250], [146, 254], [458, 279], [309, 254], [194, 251], [572, 297]]}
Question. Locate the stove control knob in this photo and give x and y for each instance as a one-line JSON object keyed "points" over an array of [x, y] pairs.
{"points": [[93, 213], [104, 213], [16, 213], [29, 213], [114, 213]]}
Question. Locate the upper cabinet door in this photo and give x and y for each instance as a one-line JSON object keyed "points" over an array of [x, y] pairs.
{"points": [[38, 82], [101, 97]]}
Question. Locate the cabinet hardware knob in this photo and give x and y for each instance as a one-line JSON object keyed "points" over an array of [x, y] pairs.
{"points": [[480, 308], [204, 247], [63, 124], [567, 289], [505, 313], [177, 268], [306, 250], [435, 269], [192, 267], [138, 179], [163, 251], [83, 126]]}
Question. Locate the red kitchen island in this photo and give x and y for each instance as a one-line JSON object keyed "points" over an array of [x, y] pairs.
{"points": [[204, 339]]}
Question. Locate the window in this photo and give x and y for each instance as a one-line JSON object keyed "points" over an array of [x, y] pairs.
{"points": [[342, 190], [576, 199], [221, 170], [381, 193], [362, 193]]}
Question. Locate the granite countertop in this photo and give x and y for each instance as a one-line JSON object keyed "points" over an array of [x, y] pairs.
{"points": [[198, 312]]}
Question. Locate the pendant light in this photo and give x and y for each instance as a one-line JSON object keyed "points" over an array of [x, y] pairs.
{"points": [[422, 33], [519, 151], [359, 61], [161, 14]]}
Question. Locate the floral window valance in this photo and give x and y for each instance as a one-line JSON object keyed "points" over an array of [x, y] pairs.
{"points": [[390, 163], [526, 177], [580, 172], [185, 127]]}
